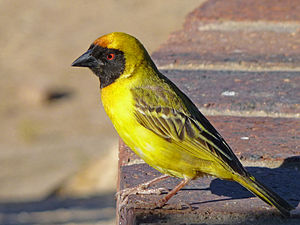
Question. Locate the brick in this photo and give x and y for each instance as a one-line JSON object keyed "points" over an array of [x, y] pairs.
{"points": [[245, 48], [283, 10], [214, 201], [246, 34], [241, 91]]}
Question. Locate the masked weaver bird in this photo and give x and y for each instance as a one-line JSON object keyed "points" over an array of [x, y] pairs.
{"points": [[160, 123]]}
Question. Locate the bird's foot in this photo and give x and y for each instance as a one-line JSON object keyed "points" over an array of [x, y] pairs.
{"points": [[140, 204], [123, 195], [155, 191], [139, 190]]}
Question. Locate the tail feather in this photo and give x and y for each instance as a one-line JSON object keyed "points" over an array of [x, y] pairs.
{"points": [[264, 193]]}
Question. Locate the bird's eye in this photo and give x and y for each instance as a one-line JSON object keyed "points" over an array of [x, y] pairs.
{"points": [[110, 56]]}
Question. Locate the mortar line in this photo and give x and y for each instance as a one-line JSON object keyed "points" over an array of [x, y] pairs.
{"points": [[251, 67], [226, 112]]}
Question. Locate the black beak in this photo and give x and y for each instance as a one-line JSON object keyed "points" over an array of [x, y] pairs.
{"points": [[87, 60]]}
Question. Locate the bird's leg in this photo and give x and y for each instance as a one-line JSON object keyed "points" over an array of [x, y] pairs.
{"points": [[123, 195], [161, 202]]}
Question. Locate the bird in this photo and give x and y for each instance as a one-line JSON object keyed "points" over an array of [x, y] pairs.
{"points": [[160, 123]]}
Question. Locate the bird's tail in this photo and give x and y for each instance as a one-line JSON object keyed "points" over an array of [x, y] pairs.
{"points": [[264, 193]]}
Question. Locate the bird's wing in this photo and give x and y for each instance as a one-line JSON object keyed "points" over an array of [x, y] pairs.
{"points": [[173, 119]]}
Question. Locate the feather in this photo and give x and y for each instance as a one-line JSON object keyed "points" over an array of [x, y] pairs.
{"points": [[175, 123]]}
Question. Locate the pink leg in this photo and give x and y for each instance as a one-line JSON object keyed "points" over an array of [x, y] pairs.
{"points": [[160, 203], [123, 195]]}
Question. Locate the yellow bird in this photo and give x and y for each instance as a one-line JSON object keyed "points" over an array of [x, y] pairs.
{"points": [[159, 122]]}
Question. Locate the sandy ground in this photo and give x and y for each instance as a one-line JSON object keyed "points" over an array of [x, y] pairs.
{"points": [[52, 122]]}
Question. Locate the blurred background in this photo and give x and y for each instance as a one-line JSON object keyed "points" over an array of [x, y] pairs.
{"points": [[55, 138]]}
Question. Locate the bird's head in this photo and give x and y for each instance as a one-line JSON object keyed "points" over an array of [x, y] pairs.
{"points": [[112, 56]]}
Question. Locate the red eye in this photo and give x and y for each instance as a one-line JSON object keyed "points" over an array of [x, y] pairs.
{"points": [[110, 56]]}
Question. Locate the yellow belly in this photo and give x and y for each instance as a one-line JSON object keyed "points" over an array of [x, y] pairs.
{"points": [[153, 149]]}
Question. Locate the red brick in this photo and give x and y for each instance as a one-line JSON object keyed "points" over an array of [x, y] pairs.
{"points": [[213, 200], [283, 10], [261, 92], [261, 33]]}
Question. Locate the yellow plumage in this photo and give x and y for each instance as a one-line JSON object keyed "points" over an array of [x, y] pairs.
{"points": [[159, 122]]}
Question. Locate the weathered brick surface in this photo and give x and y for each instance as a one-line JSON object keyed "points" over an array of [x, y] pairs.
{"points": [[277, 10], [246, 92], [260, 33], [213, 201], [262, 39], [241, 47]]}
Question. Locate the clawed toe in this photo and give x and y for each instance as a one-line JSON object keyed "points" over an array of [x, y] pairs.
{"points": [[123, 196], [156, 191]]}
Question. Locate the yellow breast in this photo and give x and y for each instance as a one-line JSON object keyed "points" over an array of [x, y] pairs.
{"points": [[119, 105]]}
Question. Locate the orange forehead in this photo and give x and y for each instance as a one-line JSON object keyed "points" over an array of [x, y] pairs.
{"points": [[103, 41]]}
